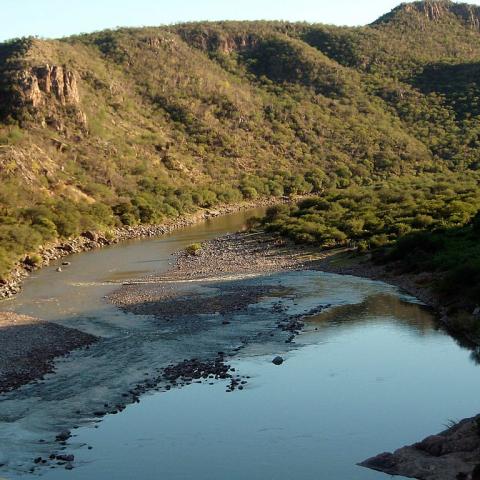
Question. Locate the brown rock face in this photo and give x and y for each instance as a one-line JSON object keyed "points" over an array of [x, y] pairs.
{"points": [[41, 84], [51, 94], [437, 9], [214, 41]]}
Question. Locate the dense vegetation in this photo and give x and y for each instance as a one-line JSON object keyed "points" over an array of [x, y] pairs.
{"points": [[453, 254], [427, 224], [172, 119]]}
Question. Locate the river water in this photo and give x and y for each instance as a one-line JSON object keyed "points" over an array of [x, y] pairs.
{"points": [[370, 373]]}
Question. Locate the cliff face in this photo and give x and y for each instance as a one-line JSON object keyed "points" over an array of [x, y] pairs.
{"points": [[40, 85], [435, 11], [45, 92], [214, 39]]}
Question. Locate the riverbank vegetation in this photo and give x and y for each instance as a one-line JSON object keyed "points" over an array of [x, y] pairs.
{"points": [[427, 224], [153, 123]]}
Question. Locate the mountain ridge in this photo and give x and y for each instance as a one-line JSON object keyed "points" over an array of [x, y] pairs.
{"points": [[135, 125]]}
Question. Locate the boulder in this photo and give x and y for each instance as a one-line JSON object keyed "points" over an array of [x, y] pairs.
{"points": [[89, 235], [277, 361]]}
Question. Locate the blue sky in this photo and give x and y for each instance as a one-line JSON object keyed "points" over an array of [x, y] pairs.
{"points": [[56, 18]]}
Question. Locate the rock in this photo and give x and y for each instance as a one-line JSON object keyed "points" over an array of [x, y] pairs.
{"points": [[89, 235], [59, 269], [65, 458], [277, 360], [63, 436], [452, 454], [476, 472], [384, 462], [432, 445], [39, 84], [66, 264]]}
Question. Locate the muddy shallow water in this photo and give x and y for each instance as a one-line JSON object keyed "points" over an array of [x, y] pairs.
{"points": [[369, 374]]}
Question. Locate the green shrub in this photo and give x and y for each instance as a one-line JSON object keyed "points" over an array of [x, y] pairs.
{"points": [[194, 249]]}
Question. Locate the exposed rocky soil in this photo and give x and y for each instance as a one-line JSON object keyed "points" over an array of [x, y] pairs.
{"points": [[240, 254], [28, 347]]}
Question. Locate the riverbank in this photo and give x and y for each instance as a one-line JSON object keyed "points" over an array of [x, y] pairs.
{"points": [[28, 347], [421, 286], [191, 303], [91, 240]]}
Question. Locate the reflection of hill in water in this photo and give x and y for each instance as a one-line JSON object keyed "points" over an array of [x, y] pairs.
{"points": [[381, 307], [376, 308]]}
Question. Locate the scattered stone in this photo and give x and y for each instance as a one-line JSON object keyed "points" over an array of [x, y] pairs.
{"points": [[277, 360], [65, 458], [63, 436]]}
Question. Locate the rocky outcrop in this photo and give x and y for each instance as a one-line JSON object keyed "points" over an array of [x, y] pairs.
{"points": [[435, 11], [218, 41], [39, 85], [432, 10], [49, 93], [451, 455]]}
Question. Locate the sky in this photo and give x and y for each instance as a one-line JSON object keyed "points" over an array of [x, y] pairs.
{"points": [[58, 18]]}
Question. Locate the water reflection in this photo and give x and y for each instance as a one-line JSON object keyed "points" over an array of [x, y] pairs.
{"points": [[379, 307]]}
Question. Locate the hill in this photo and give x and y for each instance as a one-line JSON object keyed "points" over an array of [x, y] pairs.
{"points": [[135, 125]]}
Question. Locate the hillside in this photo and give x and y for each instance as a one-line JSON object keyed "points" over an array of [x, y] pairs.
{"points": [[136, 125]]}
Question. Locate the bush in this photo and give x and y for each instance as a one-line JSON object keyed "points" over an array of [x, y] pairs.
{"points": [[194, 249], [249, 193]]}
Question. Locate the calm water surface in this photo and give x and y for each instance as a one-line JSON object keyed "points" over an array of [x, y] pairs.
{"points": [[369, 374]]}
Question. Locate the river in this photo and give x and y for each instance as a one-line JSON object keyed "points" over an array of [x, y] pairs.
{"points": [[371, 373]]}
